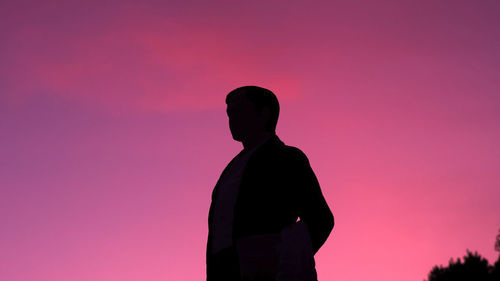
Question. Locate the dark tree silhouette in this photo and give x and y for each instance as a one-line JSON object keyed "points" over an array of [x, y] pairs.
{"points": [[495, 274], [496, 266], [473, 268], [497, 243]]}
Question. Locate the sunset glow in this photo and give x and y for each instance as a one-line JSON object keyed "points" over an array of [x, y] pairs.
{"points": [[113, 130]]}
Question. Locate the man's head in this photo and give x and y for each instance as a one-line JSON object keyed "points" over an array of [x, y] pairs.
{"points": [[251, 110]]}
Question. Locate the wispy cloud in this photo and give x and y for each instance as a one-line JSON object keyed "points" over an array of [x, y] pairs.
{"points": [[132, 60]]}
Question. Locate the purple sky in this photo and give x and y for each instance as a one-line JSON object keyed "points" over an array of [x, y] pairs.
{"points": [[113, 130]]}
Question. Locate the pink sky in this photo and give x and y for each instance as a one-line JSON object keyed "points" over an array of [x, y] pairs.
{"points": [[113, 130]]}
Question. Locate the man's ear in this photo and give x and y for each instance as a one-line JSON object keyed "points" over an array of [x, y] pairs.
{"points": [[266, 116], [266, 113]]}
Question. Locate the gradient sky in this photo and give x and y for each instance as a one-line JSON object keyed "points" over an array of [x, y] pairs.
{"points": [[113, 130]]}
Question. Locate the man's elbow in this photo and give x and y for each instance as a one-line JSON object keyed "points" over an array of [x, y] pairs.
{"points": [[326, 225], [323, 230], [329, 222]]}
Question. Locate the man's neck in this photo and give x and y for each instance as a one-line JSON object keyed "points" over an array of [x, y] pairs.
{"points": [[257, 140]]}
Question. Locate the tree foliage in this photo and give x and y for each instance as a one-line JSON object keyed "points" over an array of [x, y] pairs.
{"points": [[497, 242], [472, 268]]}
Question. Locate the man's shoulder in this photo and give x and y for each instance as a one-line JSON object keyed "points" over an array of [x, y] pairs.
{"points": [[280, 151], [293, 151], [294, 154]]}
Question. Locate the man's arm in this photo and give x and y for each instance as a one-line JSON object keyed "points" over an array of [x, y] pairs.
{"points": [[313, 209]]}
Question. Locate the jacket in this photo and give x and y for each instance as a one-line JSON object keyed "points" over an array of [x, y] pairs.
{"points": [[277, 187]]}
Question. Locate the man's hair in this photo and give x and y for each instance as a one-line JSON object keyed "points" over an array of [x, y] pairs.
{"points": [[261, 98]]}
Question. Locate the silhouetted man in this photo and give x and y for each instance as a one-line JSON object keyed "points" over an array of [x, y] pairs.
{"points": [[261, 192]]}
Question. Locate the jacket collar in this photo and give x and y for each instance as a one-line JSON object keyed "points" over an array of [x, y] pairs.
{"points": [[259, 144], [272, 141]]}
